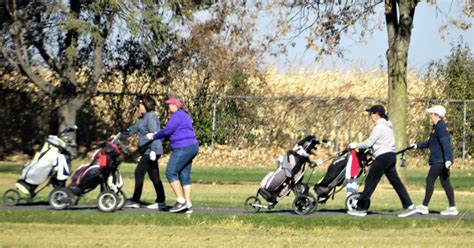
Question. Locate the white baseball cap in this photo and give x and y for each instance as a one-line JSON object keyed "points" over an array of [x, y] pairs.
{"points": [[437, 109]]}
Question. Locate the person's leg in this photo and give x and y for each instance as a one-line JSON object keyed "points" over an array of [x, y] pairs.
{"points": [[185, 174], [140, 171], [373, 177], [175, 164], [433, 173], [187, 194], [172, 172], [177, 189], [446, 183], [154, 174], [397, 184]]}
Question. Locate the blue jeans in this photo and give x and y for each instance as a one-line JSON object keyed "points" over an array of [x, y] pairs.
{"points": [[180, 163]]}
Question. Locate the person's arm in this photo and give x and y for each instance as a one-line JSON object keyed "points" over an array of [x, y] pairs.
{"points": [[132, 130], [423, 145], [169, 129], [153, 126], [445, 141], [374, 136]]}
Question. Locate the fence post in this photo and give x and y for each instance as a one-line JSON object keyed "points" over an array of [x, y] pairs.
{"points": [[464, 131], [336, 143], [214, 110]]}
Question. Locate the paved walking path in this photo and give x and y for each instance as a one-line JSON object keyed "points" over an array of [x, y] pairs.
{"points": [[43, 206]]}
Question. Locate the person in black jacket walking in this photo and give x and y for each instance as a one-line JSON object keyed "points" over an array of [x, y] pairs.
{"points": [[441, 159]]}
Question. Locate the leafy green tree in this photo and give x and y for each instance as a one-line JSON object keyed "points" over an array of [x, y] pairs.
{"points": [[457, 74]]}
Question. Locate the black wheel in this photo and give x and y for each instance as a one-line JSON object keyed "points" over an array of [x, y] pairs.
{"points": [[11, 197], [315, 202], [301, 189], [351, 201], [304, 204], [59, 198], [252, 204], [107, 201], [122, 199]]}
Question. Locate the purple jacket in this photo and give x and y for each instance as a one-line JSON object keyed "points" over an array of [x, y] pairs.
{"points": [[179, 130]]}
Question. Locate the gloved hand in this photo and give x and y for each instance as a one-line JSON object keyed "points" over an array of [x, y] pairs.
{"points": [[126, 132], [448, 164], [149, 136], [352, 145], [152, 156], [413, 146]]}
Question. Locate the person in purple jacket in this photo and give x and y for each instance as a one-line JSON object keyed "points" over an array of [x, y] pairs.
{"points": [[184, 146]]}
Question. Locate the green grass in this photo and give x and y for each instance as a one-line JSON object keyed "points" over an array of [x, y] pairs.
{"points": [[91, 228], [228, 188], [264, 221]]}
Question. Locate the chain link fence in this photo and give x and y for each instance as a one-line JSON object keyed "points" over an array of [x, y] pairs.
{"points": [[280, 121], [235, 121]]}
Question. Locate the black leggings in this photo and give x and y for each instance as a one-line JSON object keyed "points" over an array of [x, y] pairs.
{"points": [[383, 164], [144, 165], [443, 173]]}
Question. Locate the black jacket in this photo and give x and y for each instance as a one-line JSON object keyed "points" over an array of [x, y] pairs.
{"points": [[439, 144]]}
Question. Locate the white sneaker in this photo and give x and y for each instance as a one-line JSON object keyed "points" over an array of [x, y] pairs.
{"points": [[152, 206], [422, 209], [359, 213], [132, 204], [409, 211], [450, 211], [161, 206]]}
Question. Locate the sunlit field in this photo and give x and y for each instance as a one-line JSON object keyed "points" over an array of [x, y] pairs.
{"points": [[227, 188]]}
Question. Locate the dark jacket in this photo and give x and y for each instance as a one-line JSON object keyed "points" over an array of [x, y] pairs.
{"points": [[148, 123], [439, 144]]}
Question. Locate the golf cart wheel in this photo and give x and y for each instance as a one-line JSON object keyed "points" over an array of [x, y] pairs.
{"points": [[107, 201], [303, 204], [59, 198], [122, 199], [252, 204], [11, 197], [351, 201], [315, 202], [301, 189]]}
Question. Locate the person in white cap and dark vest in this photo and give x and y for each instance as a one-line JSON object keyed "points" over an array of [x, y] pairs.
{"points": [[440, 161], [382, 141]]}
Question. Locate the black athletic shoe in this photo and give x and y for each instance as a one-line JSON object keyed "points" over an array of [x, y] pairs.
{"points": [[178, 207]]}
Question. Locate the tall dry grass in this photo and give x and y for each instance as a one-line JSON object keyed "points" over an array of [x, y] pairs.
{"points": [[328, 104]]}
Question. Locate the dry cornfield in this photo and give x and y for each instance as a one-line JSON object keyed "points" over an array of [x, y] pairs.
{"points": [[328, 104]]}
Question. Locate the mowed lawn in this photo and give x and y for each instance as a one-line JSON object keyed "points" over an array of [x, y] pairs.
{"points": [[227, 188]]}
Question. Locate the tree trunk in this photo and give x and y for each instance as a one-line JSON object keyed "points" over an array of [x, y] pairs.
{"points": [[399, 33], [67, 116]]}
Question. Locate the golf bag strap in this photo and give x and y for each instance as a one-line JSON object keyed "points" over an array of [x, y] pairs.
{"points": [[286, 165], [44, 153]]}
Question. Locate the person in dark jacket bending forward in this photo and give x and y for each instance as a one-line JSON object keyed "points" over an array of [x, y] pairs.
{"points": [[441, 159], [184, 145]]}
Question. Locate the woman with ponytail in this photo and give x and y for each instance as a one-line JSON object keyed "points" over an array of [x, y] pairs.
{"points": [[382, 141]]}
